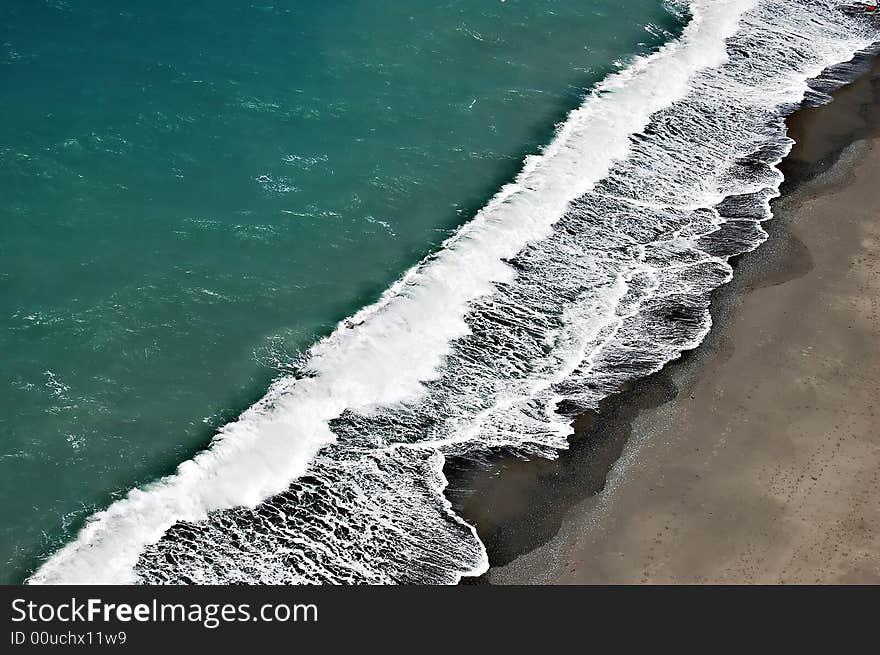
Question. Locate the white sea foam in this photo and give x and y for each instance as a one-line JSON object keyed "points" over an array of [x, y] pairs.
{"points": [[476, 345]]}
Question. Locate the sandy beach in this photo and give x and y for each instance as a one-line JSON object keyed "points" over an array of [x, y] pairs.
{"points": [[755, 458]]}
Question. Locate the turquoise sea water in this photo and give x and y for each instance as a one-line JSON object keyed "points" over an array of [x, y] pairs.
{"points": [[192, 193]]}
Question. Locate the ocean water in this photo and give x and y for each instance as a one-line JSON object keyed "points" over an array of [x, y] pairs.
{"points": [[330, 201], [191, 194]]}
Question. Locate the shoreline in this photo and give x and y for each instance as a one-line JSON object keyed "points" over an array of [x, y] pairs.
{"points": [[629, 501]]}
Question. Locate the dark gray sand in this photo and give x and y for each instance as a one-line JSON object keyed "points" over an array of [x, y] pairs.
{"points": [[755, 458]]}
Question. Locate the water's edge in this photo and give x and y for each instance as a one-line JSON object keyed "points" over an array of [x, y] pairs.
{"points": [[544, 491]]}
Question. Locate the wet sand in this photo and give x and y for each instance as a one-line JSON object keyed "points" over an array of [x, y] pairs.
{"points": [[755, 458]]}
